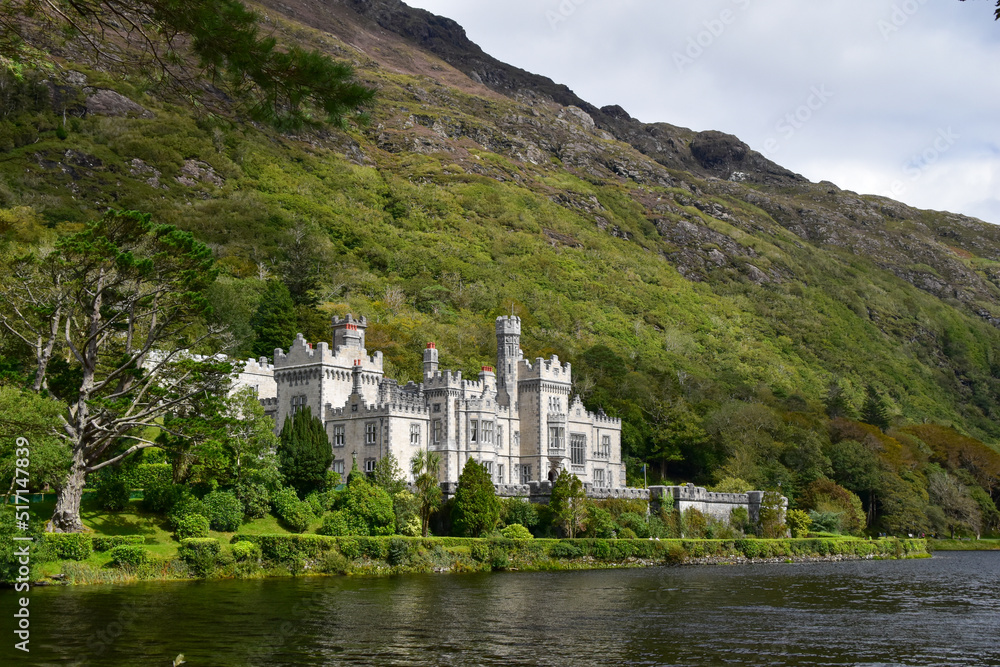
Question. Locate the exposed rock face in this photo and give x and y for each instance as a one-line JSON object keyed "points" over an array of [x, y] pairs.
{"points": [[194, 172], [104, 102]]}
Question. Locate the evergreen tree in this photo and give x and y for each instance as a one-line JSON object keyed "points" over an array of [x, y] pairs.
{"points": [[477, 509], [875, 411], [568, 502], [304, 453], [274, 321], [836, 401]]}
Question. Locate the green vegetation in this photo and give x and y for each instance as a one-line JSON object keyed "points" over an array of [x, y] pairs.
{"points": [[753, 352]]}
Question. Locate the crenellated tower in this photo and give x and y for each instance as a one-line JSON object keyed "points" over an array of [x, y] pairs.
{"points": [[509, 354]]}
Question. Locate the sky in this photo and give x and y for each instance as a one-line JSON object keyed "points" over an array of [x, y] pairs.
{"points": [[891, 97]]}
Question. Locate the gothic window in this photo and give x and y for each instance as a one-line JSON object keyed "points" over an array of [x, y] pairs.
{"points": [[489, 467], [298, 403], [557, 438], [338, 435], [487, 433], [605, 446], [578, 448], [338, 467], [525, 474], [500, 479], [414, 434], [499, 436], [438, 431], [473, 430], [371, 433], [369, 465], [437, 407], [598, 477]]}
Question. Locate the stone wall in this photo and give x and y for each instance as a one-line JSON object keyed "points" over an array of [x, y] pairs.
{"points": [[709, 503]]}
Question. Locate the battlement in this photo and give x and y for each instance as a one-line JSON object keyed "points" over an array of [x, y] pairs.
{"points": [[444, 380], [302, 353], [551, 370], [349, 320], [258, 366], [508, 325], [366, 411]]}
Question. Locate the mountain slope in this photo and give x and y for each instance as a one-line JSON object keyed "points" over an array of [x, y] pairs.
{"points": [[692, 283]]}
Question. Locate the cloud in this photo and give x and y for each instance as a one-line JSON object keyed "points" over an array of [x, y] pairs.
{"points": [[900, 71]]}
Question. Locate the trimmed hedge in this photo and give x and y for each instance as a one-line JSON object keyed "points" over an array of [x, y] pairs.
{"points": [[71, 546], [146, 475], [200, 554], [128, 555], [109, 542]]}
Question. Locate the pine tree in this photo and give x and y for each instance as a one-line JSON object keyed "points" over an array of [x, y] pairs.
{"points": [[836, 401], [875, 411], [304, 454], [477, 509], [274, 321]]}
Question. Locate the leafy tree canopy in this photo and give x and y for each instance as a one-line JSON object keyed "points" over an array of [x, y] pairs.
{"points": [[477, 509], [288, 87]]}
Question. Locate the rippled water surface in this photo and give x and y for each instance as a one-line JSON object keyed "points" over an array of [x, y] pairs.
{"points": [[940, 611]]}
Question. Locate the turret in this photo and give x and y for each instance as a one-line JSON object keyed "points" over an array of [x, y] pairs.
{"points": [[508, 355], [357, 377], [430, 361], [349, 332]]}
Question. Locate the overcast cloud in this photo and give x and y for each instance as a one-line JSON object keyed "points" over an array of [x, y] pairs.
{"points": [[892, 97]]}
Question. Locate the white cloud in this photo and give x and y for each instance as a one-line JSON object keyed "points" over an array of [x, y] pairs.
{"points": [[900, 71]]}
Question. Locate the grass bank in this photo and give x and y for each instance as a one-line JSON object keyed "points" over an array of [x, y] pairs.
{"points": [[964, 545], [268, 555]]}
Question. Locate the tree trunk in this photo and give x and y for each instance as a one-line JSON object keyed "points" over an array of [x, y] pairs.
{"points": [[66, 518]]}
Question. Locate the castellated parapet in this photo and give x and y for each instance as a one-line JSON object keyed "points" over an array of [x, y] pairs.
{"points": [[547, 370], [710, 503]]}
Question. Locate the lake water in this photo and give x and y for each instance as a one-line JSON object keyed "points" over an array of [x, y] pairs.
{"points": [[940, 611]]}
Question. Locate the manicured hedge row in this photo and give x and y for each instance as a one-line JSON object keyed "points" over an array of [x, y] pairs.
{"points": [[147, 475], [79, 546], [497, 551]]}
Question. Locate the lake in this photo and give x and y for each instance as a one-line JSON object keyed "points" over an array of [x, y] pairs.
{"points": [[940, 611]]}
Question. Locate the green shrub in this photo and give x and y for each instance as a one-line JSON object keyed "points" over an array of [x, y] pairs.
{"points": [[565, 549], [294, 513], [334, 562], [636, 523], [516, 531], [200, 554], [225, 511], [315, 503], [109, 542], [187, 504], [675, 555], [245, 552], [256, 499], [480, 551], [599, 522], [349, 547], [600, 549], [148, 475], [71, 546], [398, 552], [626, 534], [128, 555], [334, 524], [368, 509], [161, 496], [519, 511], [113, 492], [374, 548], [192, 526]]}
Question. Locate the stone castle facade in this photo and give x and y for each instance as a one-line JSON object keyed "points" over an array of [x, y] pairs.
{"points": [[520, 420]]}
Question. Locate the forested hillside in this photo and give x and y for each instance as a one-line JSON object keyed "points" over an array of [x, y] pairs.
{"points": [[741, 320]]}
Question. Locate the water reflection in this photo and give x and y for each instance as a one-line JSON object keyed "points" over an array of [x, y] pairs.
{"points": [[944, 611]]}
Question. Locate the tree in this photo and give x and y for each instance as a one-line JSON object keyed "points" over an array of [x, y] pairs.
{"points": [[304, 453], [960, 509], [875, 411], [477, 509], [424, 466], [274, 322], [368, 508], [287, 87], [123, 299], [388, 476], [25, 414], [568, 502], [798, 522], [836, 402]]}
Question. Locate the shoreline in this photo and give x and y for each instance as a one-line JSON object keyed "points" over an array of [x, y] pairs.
{"points": [[281, 556]]}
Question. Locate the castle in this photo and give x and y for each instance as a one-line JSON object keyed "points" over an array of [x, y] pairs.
{"points": [[520, 420]]}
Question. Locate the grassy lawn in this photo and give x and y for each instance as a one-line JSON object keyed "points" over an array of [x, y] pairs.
{"points": [[964, 545]]}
